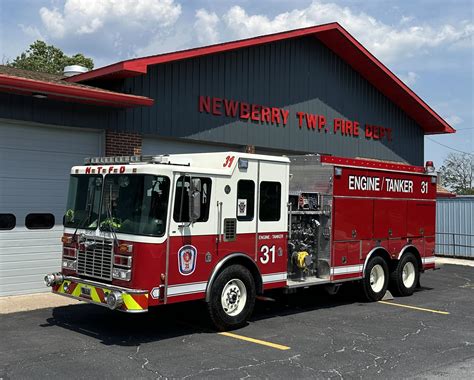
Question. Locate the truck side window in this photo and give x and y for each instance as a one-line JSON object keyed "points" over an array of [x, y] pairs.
{"points": [[270, 201], [181, 203], [245, 199]]}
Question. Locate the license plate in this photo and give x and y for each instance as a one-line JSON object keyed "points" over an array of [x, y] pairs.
{"points": [[85, 291]]}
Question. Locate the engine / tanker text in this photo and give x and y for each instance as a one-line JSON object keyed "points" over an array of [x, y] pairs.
{"points": [[366, 183]]}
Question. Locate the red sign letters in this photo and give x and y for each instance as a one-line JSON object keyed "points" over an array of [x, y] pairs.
{"points": [[280, 116]]}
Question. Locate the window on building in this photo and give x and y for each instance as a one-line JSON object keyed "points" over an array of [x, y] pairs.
{"points": [[270, 201], [245, 200], [7, 221], [181, 201], [39, 221]]}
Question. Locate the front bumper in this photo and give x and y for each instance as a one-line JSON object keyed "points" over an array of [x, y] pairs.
{"points": [[114, 297]]}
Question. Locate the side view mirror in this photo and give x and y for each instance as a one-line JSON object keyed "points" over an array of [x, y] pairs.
{"points": [[195, 199]]}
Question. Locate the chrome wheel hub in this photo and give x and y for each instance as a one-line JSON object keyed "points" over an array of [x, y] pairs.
{"points": [[234, 297]]}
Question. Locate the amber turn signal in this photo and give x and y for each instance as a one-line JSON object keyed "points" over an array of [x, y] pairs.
{"points": [[125, 248], [66, 239]]}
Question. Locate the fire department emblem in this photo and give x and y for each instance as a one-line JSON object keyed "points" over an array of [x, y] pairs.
{"points": [[242, 207], [187, 255]]}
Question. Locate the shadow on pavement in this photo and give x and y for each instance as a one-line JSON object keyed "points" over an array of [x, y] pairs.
{"points": [[171, 321]]}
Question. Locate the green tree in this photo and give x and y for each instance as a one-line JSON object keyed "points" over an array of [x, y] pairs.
{"points": [[457, 173], [48, 59]]}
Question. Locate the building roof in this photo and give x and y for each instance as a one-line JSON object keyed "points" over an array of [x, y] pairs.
{"points": [[52, 86], [333, 35], [442, 192]]}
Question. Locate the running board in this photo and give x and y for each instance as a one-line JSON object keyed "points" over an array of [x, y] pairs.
{"points": [[309, 281]]}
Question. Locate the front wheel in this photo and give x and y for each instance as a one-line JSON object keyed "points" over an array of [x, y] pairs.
{"points": [[375, 281], [404, 278], [232, 298]]}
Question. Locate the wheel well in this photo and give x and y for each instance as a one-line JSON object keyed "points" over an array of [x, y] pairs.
{"points": [[240, 259], [380, 252], [416, 253]]}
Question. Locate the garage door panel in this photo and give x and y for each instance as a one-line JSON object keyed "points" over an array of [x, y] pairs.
{"points": [[21, 233], [34, 173], [17, 137], [25, 285], [29, 266], [28, 256], [57, 166]]}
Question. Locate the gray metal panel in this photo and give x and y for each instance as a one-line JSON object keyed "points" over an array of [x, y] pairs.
{"points": [[307, 175], [298, 75], [54, 112], [155, 146], [34, 176], [455, 226]]}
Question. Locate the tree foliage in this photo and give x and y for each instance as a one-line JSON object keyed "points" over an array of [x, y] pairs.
{"points": [[457, 173], [48, 59]]}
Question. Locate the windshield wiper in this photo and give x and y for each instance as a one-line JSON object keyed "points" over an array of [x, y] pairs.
{"points": [[89, 204], [110, 216]]}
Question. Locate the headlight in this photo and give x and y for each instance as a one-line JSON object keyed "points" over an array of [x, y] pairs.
{"points": [[122, 274], [69, 264]]}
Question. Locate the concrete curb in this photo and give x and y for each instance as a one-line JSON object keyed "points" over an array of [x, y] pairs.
{"points": [[28, 302], [449, 260]]}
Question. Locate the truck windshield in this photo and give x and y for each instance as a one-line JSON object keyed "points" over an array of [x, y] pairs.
{"points": [[83, 202], [135, 204]]}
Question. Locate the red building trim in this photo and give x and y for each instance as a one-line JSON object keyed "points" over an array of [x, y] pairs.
{"points": [[333, 35], [71, 93]]}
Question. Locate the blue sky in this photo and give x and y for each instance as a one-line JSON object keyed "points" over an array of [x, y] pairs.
{"points": [[428, 43]]}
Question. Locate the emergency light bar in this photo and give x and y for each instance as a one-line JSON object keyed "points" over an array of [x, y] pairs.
{"points": [[125, 160], [163, 159]]}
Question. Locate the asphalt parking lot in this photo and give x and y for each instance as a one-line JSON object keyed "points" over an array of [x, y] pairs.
{"points": [[306, 335]]}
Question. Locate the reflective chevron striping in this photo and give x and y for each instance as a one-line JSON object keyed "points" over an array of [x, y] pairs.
{"points": [[131, 302]]}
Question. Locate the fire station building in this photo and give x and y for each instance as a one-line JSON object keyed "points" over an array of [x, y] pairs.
{"points": [[311, 90]]}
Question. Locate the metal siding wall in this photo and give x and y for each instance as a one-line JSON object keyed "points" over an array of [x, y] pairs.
{"points": [[53, 112], [455, 216], [298, 75]]}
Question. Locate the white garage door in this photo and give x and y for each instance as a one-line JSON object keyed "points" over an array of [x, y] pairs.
{"points": [[153, 145], [35, 162]]}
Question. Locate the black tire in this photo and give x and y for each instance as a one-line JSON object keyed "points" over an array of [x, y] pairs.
{"points": [[221, 313], [409, 263], [374, 291]]}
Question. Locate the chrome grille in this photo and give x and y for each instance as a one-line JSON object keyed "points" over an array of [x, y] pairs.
{"points": [[94, 258]]}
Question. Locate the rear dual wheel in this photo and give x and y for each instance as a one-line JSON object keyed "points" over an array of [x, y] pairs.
{"points": [[405, 277], [375, 281]]}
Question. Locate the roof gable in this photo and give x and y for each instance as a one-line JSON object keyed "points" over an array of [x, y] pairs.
{"points": [[333, 35]]}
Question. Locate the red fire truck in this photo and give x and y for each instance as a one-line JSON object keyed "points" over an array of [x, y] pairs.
{"points": [[226, 227]]}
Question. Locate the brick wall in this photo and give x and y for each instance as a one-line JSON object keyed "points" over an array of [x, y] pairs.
{"points": [[122, 143]]}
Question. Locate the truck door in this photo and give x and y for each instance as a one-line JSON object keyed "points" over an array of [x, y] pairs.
{"points": [[272, 222], [236, 210], [192, 245]]}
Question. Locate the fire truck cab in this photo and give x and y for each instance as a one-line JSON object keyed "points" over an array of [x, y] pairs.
{"points": [[145, 231]]}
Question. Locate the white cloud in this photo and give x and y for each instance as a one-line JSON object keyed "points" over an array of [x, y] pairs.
{"points": [[409, 78], [53, 20], [206, 27], [453, 120], [81, 17], [32, 32], [390, 43]]}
